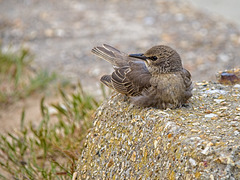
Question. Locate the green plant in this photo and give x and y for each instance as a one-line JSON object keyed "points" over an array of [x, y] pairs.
{"points": [[17, 78], [49, 149]]}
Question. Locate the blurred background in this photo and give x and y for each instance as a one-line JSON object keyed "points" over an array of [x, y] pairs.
{"points": [[61, 33], [226, 9]]}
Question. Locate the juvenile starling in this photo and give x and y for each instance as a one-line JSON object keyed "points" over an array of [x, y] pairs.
{"points": [[153, 79]]}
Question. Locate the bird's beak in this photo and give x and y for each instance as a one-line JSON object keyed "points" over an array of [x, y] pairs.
{"points": [[139, 56]]}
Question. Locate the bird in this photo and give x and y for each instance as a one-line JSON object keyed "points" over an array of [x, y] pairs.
{"points": [[155, 78]]}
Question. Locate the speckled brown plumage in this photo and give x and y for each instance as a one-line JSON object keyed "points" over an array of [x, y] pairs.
{"points": [[153, 79]]}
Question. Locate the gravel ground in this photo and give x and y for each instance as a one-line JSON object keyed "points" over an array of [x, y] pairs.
{"points": [[61, 34]]}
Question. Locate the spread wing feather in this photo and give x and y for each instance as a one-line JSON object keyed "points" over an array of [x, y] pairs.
{"points": [[130, 77], [131, 80]]}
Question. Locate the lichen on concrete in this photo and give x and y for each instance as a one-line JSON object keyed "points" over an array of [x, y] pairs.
{"points": [[198, 141]]}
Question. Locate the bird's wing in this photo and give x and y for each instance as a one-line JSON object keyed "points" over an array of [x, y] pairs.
{"points": [[112, 55], [139, 74], [187, 82], [131, 80], [107, 80]]}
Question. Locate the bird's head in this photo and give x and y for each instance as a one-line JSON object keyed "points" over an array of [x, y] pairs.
{"points": [[162, 59]]}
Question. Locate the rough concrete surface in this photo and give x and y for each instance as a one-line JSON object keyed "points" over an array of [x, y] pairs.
{"points": [[199, 141]]}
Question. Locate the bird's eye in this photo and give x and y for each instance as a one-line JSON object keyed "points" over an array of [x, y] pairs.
{"points": [[153, 58]]}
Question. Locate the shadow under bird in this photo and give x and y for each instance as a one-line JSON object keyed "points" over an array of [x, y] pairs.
{"points": [[155, 78]]}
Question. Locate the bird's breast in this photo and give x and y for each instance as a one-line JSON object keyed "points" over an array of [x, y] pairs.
{"points": [[169, 87]]}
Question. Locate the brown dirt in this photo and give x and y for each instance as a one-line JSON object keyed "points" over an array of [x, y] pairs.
{"points": [[10, 115]]}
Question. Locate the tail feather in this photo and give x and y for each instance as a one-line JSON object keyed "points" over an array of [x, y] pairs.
{"points": [[110, 48], [104, 54], [112, 55]]}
